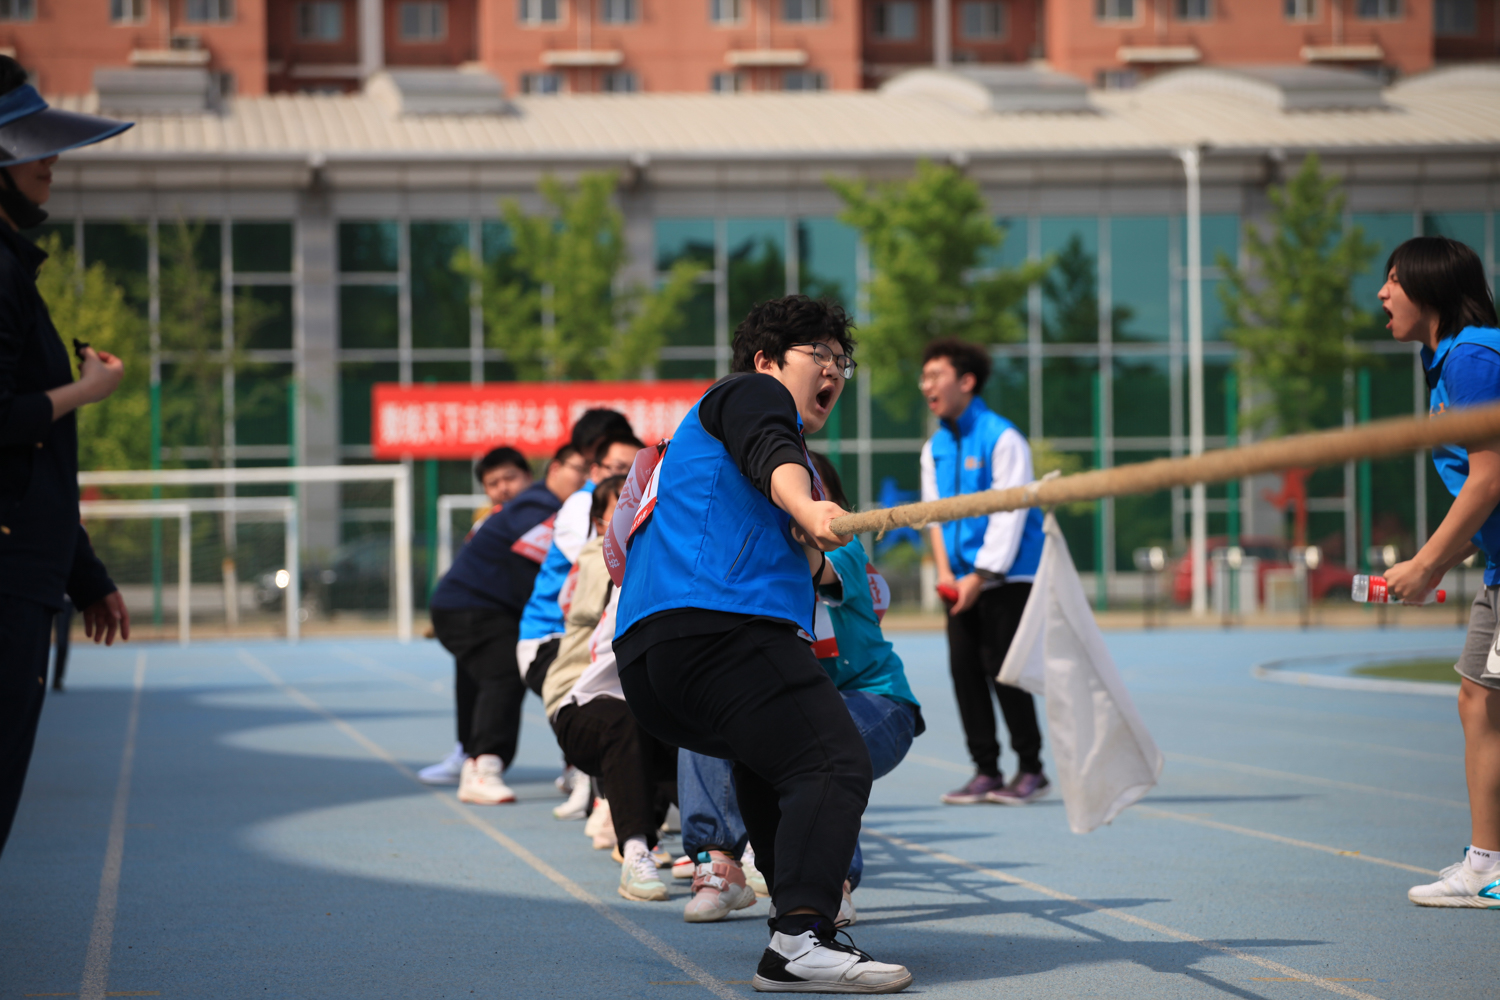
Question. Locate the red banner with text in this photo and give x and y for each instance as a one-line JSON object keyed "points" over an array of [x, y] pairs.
{"points": [[459, 420]]}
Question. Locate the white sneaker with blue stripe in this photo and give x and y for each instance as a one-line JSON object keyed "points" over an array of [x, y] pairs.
{"points": [[1460, 886]]}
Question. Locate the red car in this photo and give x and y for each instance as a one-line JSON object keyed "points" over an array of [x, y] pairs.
{"points": [[1273, 554]]}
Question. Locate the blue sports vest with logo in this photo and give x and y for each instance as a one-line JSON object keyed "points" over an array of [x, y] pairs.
{"points": [[1452, 460], [713, 541]]}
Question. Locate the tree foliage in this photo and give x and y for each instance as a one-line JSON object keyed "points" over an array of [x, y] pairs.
{"points": [[1291, 310], [555, 303], [930, 240], [88, 304]]}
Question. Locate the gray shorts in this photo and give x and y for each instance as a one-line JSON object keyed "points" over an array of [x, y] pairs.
{"points": [[1480, 645]]}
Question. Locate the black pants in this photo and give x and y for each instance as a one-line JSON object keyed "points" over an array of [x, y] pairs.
{"points": [[64, 628], [637, 772], [977, 643], [25, 641], [757, 696], [488, 688]]}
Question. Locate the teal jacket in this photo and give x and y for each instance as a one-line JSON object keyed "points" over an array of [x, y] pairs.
{"points": [[864, 660]]}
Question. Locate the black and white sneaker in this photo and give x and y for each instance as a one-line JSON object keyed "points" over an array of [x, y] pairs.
{"points": [[816, 962]]}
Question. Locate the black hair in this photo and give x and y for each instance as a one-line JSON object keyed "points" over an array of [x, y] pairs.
{"points": [[607, 490], [830, 476], [769, 328], [566, 452], [966, 359], [498, 457], [12, 75], [592, 425], [608, 441], [1447, 277]]}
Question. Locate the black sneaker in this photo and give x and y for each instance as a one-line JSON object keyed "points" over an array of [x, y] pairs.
{"points": [[816, 962]]}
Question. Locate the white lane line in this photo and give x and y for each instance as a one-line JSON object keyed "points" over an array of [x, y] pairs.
{"points": [[102, 936], [704, 978], [391, 673], [1307, 779], [1129, 918], [1227, 827], [1291, 841]]}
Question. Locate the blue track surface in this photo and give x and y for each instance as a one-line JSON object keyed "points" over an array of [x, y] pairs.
{"points": [[271, 842]]}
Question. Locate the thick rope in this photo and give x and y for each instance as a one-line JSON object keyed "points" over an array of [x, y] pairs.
{"points": [[1378, 439]]}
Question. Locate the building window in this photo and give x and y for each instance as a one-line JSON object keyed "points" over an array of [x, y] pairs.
{"points": [[424, 22], [1114, 10], [617, 11], [127, 11], [1193, 10], [895, 21], [1453, 17], [209, 11], [727, 83], [1301, 10], [320, 22], [541, 83], [983, 20], [1118, 79], [803, 11], [726, 11], [540, 11], [621, 81], [1378, 10], [803, 79]]}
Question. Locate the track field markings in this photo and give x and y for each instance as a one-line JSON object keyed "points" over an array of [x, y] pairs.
{"points": [[389, 672], [700, 975], [1171, 932], [102, 934], [1308, 779]]}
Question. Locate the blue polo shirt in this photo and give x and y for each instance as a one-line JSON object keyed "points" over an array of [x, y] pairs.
{"points": [[1465, 371]]}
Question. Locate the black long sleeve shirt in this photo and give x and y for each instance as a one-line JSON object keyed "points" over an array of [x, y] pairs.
{"points": [[44, 551]]}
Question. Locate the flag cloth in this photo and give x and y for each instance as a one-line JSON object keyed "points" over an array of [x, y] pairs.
{"points": [[1105, 758]]}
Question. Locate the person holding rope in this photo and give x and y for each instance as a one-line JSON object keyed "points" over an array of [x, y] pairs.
{"points": [[985, 566], [715, 621], [1436, 294]]}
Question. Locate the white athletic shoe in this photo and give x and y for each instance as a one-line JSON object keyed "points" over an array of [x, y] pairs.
{"points": [[847, 917], [819, 963], [445, 771], [638, 879], [480, 783], [601, 827], [1460, 886], [577, 806], [683, 867], [753, 878], [718, 890], [565, 781]]}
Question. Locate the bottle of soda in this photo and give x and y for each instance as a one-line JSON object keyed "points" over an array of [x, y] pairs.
{"points": [[1372, 590]]}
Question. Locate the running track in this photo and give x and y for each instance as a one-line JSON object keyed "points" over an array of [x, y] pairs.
{"points": [[241, 820]]}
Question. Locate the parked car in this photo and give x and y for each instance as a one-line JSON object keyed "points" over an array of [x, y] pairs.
{"points": [[356, 578], [1327, 580]]}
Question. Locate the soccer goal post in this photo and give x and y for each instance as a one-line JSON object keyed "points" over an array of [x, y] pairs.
{"points": [[398, 476], [447, 503]]}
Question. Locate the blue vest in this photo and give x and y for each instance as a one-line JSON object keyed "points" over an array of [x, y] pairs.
{"points": [[542, 617], [713, 542], [961, 457], [1452, 461]]}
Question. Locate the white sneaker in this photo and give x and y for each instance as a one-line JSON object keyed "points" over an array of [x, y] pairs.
{"points": [[638, 879], [819, 963], [577, 806], [718, 889], [753, 878], [566, 780], [601, 827], [1460, 886], [847, 917], [480, 783], [445, 771], [683, 867]]}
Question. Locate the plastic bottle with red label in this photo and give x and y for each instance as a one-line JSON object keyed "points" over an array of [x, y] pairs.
{"points": [[1372, 590]]}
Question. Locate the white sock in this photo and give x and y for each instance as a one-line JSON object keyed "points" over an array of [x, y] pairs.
{"points": [[634, 848], [1483, 861]]}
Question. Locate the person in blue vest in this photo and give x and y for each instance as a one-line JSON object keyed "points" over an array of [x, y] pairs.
{"points": [[715, 622], [985, 566], [870, 677], [1437, 294]]}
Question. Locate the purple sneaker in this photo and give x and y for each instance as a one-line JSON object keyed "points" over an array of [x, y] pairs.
{"points": [[979, 786], [1022, 789]]}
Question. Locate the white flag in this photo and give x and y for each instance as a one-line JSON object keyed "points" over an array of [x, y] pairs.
{"points": [[1106, 760]]}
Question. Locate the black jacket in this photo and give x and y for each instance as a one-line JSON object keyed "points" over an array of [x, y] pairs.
{"points": [[488, 573], [44, 551]]}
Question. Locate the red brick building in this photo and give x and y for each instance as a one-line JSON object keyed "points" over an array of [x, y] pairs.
{"points": [[585, 46]]}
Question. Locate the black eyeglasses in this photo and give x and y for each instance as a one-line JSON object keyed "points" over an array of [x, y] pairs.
{"points": [[824, 356]]}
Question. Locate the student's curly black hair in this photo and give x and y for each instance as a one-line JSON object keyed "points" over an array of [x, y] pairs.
{"points": [[771, 327]]}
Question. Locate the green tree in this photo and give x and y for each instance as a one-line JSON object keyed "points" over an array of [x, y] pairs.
{"points": [[930, 239], [555, 304], [88, 304], [1291, 310]]}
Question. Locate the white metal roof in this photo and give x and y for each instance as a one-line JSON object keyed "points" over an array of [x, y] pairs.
{"points": [[1455, 110]]}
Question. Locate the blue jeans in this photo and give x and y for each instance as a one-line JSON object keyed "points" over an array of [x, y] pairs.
{"points": [[705, 785]]}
